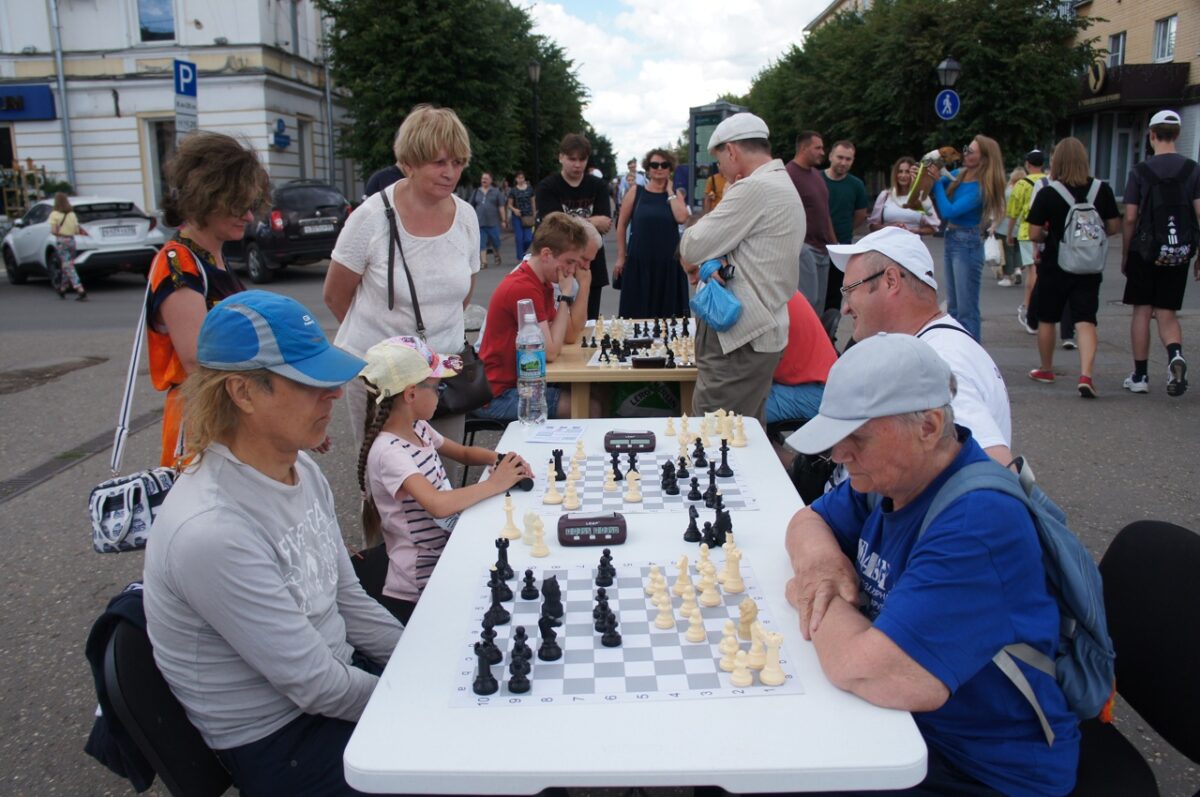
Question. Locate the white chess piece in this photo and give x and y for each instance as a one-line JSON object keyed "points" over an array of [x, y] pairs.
{"points": [[531, 521], [510, 530], [579, 453], [539, 548], [552, 496], [633, 487], [729, 646], [670, 430], [571, 499], [689, 603], [683, 427], [742, 676], [709, 595], [683, 579], [704, 557], [733, 574], [727, 548], [599, 326], [747, 614], [772, 673], [573, 474], [652, 580], [610, 480], [666, 617], [739, 434], [756, 658], [695, 632]]}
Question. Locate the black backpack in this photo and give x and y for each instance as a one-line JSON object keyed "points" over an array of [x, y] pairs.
{"points": [[1167, 233]]}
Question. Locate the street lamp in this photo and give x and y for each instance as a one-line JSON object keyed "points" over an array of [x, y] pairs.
{"points": [[948, 72], [535, 75]]}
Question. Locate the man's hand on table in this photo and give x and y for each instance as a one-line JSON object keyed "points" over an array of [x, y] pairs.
{"points": [[815, 586]]}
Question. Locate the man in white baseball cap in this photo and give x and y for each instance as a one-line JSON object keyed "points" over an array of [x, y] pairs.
{"points": [[757, 229], [909, 617], [890, 287]]}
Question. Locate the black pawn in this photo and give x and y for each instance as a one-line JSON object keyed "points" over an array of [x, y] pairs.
{"points": [[529, 592], [671, 358], [710, 535], [601, 613], [593, 341], [682, 471], [549, 650], [485, 683], [521, 643], [603, 579], [724, 471], [616, 466], [694, 493], [601, 595], [583, 341], [611, 638], [503, 569], [698, 458], [692, 534]]}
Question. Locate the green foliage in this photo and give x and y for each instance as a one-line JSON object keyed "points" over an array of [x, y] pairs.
{"points": [[469, 55], [870, 77]]}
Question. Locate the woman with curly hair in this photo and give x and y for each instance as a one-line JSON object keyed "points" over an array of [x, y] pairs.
{"points": [[651, 281]]}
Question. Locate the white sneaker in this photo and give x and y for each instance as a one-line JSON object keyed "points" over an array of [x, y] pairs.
{"points": [[1135, 385], [1021, 316], [1005, 283], [1069, 344]]}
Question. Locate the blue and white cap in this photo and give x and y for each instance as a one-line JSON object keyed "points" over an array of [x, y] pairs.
{"points": [[259, 329]]}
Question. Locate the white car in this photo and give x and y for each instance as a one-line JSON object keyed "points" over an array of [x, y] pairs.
{"points": [[114, 235]]}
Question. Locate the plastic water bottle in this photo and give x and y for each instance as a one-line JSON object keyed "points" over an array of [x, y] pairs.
{"points": [[531, 368]]}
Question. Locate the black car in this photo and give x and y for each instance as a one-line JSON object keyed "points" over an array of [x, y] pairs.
{"points": [[300, 226]]}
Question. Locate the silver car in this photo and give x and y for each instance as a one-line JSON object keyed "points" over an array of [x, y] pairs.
{"points": [[114, 235]]}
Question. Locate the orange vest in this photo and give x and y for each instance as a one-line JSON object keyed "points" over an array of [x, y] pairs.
{"points": [[171, 262]]}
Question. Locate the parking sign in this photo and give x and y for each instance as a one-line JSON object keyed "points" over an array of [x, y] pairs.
{"points": [[185, 98]]}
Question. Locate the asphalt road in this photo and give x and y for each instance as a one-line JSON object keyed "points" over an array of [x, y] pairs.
{"points": [[1107, 462]]}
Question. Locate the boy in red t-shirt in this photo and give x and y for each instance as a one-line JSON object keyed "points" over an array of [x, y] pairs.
{"points": [[799, 381], [560, 253]]}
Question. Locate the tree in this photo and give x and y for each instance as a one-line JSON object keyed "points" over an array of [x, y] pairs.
{"points": [[469, 55], [869, 76]]}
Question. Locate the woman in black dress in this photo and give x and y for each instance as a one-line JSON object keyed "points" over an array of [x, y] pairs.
{"points": [[651, 281]]}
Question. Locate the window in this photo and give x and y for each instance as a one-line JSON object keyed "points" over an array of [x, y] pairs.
{"points": [[156, 20], [7, 153], [161, 141], [1116, 49], [1164, 38]]}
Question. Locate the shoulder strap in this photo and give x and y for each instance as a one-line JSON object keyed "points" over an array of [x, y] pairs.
{"points": [[1029, 180], [1062, 191], [394, 242], [122, 431], [1093, 191], [921, 334]]}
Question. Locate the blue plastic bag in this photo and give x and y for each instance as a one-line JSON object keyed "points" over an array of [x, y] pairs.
{"points": [[713, 303]]}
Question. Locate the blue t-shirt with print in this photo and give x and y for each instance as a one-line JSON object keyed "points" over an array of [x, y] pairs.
{"points": [[972, 584]]}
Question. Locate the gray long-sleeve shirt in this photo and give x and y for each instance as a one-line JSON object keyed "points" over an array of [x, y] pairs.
{"points": [[252, 604], [759, 226]]}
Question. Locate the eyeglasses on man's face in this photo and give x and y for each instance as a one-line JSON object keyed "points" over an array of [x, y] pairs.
{"points": [[847, 288]]}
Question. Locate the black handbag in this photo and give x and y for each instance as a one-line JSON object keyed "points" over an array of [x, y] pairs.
{"points": [[470, 389]]}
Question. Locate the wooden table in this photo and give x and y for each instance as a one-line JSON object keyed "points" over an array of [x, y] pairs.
{"points": [[412, 739], [572, 367]]}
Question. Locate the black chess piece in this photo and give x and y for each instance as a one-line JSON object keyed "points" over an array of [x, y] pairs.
{"points": [[724, 471], [484, 683], [583, 341], [671, 358], [601, 595], [487, 638], [692, 534], [719, 536], [603, 579], [503, 591], [503, 569], [593, 341], [637, 329], [710, 492], [497, 613], [611, 638], [521, 643], [606, 563], [518, 684], [560, 475], [657, 331], [549, 649], [694, 493], [684, 324], [682, 471], [698, 458], [670, 487], [710, 535], [600, 614], [552, 598], [616, 465], [633, 465], [529, 592]]}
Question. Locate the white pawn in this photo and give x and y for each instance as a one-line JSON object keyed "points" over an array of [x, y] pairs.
{"points": [[531, 521], [510, 530], [739, 434], [670, 430], [772, 674], [683, 449], [695, 632], [729, 646], [571, 499], [579, 454], [742, 676], [704, 560], [683, 427], [756, 658], [573, 474], [689, 603], [539, 548], [652, 580], [666, 617], [633, 488], [552, 496], [600, 326], [709, 595], [610, 480], [733, 573], [727, 548], [684, 579]]}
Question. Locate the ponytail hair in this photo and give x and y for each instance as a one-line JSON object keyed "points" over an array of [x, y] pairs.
{"points": [[373, 422]]}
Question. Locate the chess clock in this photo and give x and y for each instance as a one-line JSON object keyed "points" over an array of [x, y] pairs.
{"points": [[595, 528], [623, 442]]}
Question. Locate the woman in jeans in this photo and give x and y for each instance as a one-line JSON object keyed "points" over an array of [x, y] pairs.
{"points": [[969, 200]]}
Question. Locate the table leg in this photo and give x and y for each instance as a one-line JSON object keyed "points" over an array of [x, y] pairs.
{"points": [[581, 395], [686, 389]]}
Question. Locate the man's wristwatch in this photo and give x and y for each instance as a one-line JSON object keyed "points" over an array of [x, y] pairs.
{"points": [[567, 300]]}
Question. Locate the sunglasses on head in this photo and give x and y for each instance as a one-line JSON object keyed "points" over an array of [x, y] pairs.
{"points": [[658, 165]]}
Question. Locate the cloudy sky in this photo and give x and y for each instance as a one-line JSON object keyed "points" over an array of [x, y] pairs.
{"points": [[645, 62]]}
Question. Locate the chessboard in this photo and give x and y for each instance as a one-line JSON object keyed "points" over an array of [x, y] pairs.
{"points": [[650, 663], [597, 361], [593, 498]]}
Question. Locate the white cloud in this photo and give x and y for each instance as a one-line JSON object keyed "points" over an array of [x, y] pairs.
{"points": [[646, 62]]}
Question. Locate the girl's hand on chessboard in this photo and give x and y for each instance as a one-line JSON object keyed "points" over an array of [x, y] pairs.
{"points": [[510, 469]]}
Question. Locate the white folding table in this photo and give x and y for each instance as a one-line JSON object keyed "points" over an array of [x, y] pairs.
{"points": [[412, 740]]}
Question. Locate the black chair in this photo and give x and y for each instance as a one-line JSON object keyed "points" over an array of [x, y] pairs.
{"points": [[473, 427], [778, 431], [155, 720], [1154, 620]]}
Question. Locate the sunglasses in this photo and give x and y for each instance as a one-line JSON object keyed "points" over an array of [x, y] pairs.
{"points": [[847, 288], [658, 165]]}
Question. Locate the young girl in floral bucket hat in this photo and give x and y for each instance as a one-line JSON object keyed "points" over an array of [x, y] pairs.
{"points": [[406, 494]]}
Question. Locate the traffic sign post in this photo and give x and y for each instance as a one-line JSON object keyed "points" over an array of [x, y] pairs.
{"points": [[947, 104], [185, 98]]}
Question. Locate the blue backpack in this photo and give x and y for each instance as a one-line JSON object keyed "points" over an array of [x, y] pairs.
{"points": [[1084, 662]]}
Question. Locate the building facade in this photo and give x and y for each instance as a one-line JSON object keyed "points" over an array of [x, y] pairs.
{"points": [[1153, 62], [260, 77]]}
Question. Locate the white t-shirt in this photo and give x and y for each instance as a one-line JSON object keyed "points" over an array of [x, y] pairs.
{"points": [[441, 269], [981, 403]]}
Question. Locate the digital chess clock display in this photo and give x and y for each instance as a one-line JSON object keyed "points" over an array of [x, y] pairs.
{"points": [[625, 442], [597, 528]]}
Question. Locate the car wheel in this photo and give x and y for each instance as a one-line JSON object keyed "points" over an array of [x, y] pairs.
{"points": [[256, 265], [54, 269], [14, 273]]}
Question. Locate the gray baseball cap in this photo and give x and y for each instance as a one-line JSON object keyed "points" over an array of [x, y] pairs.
{"points": [[884, 375]]}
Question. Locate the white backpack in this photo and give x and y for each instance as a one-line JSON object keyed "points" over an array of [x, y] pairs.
{"points": [[1084, 244]]}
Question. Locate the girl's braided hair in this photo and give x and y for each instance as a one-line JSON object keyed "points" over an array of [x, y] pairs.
{"points": [[374, 421]]}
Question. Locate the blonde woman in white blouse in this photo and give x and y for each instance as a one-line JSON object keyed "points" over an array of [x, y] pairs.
{"points": [[890, 210]]}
